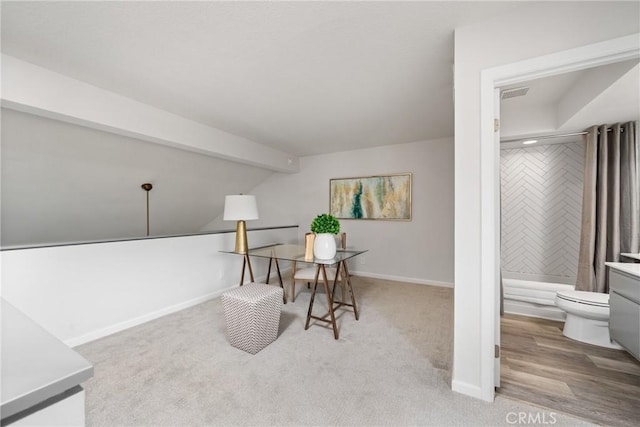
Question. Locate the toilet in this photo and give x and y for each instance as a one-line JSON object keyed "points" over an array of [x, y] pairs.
{"points": [[587, 317]]}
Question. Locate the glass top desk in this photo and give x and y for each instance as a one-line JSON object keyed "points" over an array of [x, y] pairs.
{"points": [[287, 252]]}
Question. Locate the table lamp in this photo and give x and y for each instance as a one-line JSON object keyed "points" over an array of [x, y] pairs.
{"points": [[241, 208]]}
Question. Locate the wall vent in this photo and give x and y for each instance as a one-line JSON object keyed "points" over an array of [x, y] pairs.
{"points": [[512, 93]]}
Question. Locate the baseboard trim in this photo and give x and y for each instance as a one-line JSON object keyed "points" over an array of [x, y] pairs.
{"points": [[121, 326], [521, 308], [471, 390], [403, 279]]}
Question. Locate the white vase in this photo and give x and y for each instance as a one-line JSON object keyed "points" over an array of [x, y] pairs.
{"points": [[324, 246]]}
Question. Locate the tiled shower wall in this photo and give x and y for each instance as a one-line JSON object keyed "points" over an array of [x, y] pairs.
{"points": [[541, 210]]}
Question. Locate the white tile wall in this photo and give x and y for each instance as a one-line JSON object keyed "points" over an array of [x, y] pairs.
{"points": [[541, 209]]}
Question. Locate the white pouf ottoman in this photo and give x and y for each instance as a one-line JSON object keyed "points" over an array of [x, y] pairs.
{"points": [[252, 315]]}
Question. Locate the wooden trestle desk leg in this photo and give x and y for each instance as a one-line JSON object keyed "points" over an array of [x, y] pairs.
{"points": [[246, 262], [284, 294], [325, 283], [346, 278], [346, 283], [342, 285]]}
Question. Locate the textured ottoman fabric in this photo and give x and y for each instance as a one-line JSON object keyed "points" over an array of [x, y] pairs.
{"points": [[252, 315]]}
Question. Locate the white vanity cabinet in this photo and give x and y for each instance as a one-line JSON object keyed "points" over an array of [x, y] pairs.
{"points": [[624, 303]]}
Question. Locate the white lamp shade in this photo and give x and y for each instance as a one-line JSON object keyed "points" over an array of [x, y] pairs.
{"points": [[240, 207]]}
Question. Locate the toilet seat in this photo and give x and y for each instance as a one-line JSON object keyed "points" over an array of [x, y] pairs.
{"points": [[595, 299]]}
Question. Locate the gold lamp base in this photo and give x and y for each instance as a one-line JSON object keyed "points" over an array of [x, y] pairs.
{"points": [[241, 238]]}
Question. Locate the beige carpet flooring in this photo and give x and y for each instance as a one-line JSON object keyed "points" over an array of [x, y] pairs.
{"points": [[392, 367]]}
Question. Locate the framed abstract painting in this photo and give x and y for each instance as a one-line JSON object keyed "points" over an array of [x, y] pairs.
{"points": [[371, 197]]}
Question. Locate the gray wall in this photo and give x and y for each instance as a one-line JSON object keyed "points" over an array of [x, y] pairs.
{"points": [[418, 251], [65, 183]]}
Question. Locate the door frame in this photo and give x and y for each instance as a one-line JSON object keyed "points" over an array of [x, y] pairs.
{"points": [[603, 53]]}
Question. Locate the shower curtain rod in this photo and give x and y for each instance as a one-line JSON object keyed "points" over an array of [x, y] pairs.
{"points": [[559, 135]]}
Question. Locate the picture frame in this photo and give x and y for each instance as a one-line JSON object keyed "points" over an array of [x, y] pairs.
{"points": [[377, 197]]}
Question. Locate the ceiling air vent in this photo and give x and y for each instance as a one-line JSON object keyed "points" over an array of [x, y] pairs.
{"points": [[512, 93]]}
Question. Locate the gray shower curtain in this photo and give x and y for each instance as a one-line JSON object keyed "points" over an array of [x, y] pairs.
{"points": [[611, 202]]}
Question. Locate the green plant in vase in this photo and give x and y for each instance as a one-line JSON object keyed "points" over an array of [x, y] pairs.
{"points": [[325, 226], [325, 223]]}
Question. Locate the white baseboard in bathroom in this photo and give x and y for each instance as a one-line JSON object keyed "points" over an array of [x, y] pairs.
{"points": [[534, 310]]}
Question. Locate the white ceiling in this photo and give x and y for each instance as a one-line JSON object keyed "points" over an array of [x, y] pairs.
{"points": [[302, 77]]}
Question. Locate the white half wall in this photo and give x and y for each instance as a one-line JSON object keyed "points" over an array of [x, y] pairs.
{"points": [[418, 251], [545, 29], [83, 292]]}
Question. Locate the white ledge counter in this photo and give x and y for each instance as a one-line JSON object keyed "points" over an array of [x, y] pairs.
{"points": [[41, 376], [633, 256], [626, 267]]}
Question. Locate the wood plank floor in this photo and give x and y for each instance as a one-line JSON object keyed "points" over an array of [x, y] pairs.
{"points": [[541, 366]]}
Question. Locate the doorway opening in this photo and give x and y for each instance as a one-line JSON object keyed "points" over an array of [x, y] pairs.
{"points": [[541, 203], [612, 51]]}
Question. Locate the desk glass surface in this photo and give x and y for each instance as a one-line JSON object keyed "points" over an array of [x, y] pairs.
{"points": [[296, 253]]}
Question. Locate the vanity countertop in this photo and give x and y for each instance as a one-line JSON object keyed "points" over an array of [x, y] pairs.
{"points": [[634, 256], [35, 365], [626, 267]]}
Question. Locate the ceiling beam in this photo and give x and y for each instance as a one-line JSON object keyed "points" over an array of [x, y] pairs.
{"points": [[36, 90]]}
